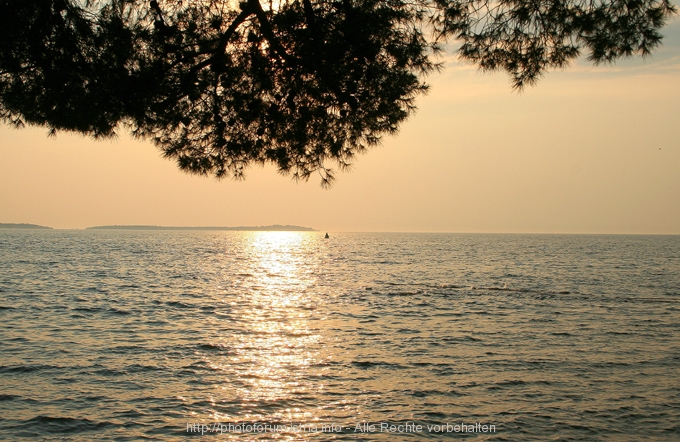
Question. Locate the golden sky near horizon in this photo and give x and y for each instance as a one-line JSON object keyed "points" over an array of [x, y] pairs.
{"points": [[587, 150]]}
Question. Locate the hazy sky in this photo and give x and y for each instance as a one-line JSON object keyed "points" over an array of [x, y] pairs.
{"points": [[588, 150]]}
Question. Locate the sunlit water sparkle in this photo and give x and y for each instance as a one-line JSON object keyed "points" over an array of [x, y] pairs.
{"points": [[129, 335]]}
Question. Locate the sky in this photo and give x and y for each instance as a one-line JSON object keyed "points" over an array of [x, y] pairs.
{"points": [[590, 149]]}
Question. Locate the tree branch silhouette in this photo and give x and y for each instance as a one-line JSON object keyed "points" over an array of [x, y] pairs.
{"points": [[300, 84]]}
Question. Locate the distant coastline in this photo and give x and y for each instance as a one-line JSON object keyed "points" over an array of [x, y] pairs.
{"points": [[22, 226], [275, 227]]}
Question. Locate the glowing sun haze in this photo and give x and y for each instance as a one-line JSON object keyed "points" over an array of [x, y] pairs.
{"points": [[588, 150]]}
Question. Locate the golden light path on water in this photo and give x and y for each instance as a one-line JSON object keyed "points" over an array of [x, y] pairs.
{"points": [[273, 353]]}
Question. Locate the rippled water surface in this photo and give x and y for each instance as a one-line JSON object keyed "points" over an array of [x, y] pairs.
{"points": [[131, 335]]}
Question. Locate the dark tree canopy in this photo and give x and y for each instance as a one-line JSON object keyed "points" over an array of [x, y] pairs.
{"points": [[219, 85]]}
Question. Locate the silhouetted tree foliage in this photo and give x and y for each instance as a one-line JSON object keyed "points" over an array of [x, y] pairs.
{"points": [[219, 85]]}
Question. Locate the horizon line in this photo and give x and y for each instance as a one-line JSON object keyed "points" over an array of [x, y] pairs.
{"points": [[295, 228]]}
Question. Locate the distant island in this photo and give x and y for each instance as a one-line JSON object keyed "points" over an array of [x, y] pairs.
{"points": [[22, 226], [275, 228]]}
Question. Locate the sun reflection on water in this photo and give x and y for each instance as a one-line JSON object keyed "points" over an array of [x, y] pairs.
{"points": [[277, 343]]}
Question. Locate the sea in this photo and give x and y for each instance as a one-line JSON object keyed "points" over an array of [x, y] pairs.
{"points": [[122, 335]]}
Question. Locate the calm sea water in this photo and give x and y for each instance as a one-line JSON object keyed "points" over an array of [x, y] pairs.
{"points": [[131, 335]]}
